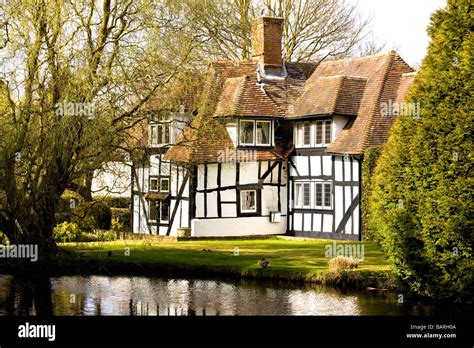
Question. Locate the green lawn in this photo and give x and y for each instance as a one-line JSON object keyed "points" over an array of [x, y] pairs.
{"points": [[303, 259]]}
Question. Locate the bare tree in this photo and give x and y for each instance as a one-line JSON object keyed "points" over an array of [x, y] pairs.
{"points": [[74, 75], [313, 29]]}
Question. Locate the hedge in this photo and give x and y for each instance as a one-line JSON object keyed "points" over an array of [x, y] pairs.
{"points": [[92, 215], [121, 219], [371, 156], [114, 202], [423, 189]]}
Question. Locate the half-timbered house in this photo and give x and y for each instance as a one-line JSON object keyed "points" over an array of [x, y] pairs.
{"points": [[277, 147]]}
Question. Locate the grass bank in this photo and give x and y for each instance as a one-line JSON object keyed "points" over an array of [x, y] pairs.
{"points": [[290, 260]]}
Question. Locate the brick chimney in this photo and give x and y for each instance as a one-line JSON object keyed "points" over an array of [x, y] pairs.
{"points": [[266, 43]]}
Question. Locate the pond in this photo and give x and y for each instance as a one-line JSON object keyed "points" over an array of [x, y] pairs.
{"points": [[130, 295]]}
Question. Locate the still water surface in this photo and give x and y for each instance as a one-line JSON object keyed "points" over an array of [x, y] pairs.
{"points": [[122, 295]]}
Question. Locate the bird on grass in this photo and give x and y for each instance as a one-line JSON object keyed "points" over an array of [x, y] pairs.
{"points": [[263, 263]]}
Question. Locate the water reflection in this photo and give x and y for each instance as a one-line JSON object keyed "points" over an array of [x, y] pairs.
{"points": [[103, 295]]}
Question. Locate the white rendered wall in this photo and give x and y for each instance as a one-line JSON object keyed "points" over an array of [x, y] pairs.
{"points": [[242, 226]]}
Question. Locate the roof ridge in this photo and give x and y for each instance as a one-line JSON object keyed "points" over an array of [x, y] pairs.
{"points": [[375, 55]]}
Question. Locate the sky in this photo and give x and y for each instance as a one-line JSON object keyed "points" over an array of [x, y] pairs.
{"points": [[401, 24]]}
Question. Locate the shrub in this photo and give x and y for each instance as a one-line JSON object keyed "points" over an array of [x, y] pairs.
{"points": [[422, 199], [114, 202], [65, 202], [99, 236], [371, 156], [66, 206], [342, 263], [3, 238], [67, 232], [92, 215], [120, 219]]}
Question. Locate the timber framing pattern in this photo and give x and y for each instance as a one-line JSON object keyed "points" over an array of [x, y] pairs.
{"points": [[318, 120]]}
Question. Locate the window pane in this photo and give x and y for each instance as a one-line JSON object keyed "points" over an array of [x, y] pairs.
{"points": [[153, 135], [319, 195], [306, 197], [327, 195], [327, 132], [153, 210], [166, 133], [263, 133], [298, 195], [248, 200], [299, 134], [319, 132], [153, 184], [165, 211], [246, 134], [307, 133], [159, 134], [165, 185]]}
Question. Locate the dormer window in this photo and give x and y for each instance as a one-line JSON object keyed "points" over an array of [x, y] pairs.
{"points": [[255, 133], [313, 134], [159, 130]]}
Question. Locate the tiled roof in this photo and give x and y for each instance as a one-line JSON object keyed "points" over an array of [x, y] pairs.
{"points": [[234, 86], [383, 74], [241, 96], [330, 95], [355, 87]]}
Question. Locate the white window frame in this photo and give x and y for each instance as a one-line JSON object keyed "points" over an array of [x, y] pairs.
{"points": [[161, 185], [161, 211], [157, 184], [269, 133], [301, 204], [242, 200], [160, 207], [313, 128], [299, 134], [323, 195], [156, 123], [326, 131], [255, 143], [310, 126], [241, 130], [316, 123]]}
